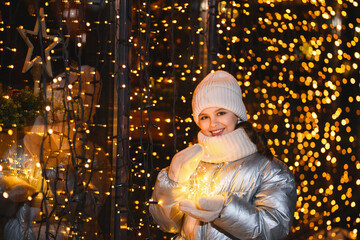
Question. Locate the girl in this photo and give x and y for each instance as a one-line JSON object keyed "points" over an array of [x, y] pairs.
{"points": [[228, 186]]}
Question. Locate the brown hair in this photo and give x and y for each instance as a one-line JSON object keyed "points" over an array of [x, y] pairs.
{"points": [[258, 138]]}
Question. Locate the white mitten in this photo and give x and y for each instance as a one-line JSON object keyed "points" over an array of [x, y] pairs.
{"points": [[207, 210], [184, 163]]}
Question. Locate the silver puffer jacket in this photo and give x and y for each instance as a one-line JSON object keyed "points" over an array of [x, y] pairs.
{"points": [[260, 201]]}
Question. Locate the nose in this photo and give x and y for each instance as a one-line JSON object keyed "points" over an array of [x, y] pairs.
{"points": [[213, 121]]}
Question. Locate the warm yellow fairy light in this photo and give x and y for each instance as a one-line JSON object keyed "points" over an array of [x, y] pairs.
{"points": [[5, 195]]}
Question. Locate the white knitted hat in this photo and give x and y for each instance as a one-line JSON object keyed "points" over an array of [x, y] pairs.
{"points": [[218, 89]]}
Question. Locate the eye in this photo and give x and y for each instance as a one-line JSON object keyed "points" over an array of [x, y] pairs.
{"points": [[203, 117], [221, 113]]}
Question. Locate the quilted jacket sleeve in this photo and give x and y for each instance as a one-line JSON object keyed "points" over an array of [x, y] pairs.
{"points": [[166, 196], [270, 215]]}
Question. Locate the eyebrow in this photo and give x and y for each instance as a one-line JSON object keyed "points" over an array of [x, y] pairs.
{"points": [[217, 110]]}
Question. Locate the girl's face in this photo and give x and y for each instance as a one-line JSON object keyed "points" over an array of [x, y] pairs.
{"points": [[214, 121]]}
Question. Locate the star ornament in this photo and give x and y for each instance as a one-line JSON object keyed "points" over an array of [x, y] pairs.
{"points": [[40, 23]]}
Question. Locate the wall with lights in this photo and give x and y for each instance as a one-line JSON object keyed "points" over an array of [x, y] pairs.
{"points": [[297, 63]]}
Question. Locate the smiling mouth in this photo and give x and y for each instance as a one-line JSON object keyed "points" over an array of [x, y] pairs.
{"points": [[217, 132]]}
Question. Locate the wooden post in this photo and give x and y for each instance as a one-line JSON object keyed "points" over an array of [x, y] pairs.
{"points": [[122, 113], [212, 34]]}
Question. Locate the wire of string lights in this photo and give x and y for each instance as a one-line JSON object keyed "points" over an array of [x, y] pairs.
{"points": [[160, 101], [141, 147], [73, 170]]}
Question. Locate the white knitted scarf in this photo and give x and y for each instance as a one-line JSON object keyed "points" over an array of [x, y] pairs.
{"points": [[228, 147]]}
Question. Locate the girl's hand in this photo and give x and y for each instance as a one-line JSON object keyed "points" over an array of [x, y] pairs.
{"points": [[207, 209]]}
